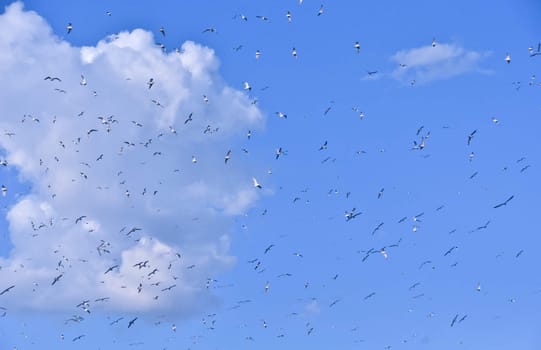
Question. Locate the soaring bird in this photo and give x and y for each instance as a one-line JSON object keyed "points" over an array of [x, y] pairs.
{"points": [[357, 46], [162, 30], [470, 136], [508, 58], [227, 156], [281, 115], [320, 11], [150, 83], [247, 86], [83, 80], [56, 279], [132, 322], [69, 27], [7, 290], [257, 54], [535, 53], [504, 203], [288, 15], [434, 42], [294, 52], [4, 191], [256, 184]]}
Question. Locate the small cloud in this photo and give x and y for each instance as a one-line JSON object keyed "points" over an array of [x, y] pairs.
{"points": [[427, 63]]}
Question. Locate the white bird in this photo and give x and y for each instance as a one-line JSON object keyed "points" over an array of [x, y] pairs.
{"points": [[288, 15], [508, 58], [162, 30], [247, 86], [478, 288], [357, 46], [320, 11], [267, 286], [294, 52], [257, 54], [69, 27], [256, 184], [281, 115], [434, 42], [83, 80], [4, 191], [194, 160], [205, 98]]}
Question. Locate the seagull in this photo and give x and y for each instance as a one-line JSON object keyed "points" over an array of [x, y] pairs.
{"points": [[288, 15], [83, 80], [281, 115], [4, 191], [79, 219], [267, 286], [69, 27], [257, 54], [56, 279], [205, 99], [247, 86], [263, 18], [189, 119], [504, 203], [268, 249], [227, 156], [279, 152], [7, 290], [454, 320], [51, 78], [209, 30], [357, 46], [535, 53], [434, 42], [508, 58], [162, 30], [256, 184], [380, 193], [132, 322], [351, 214], [470, 136], [323, 146], [320, 11], [150, 83], [294, 53]]}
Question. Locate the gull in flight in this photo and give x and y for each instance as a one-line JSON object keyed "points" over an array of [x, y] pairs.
{"points": [[320, 11], [247, 86], [288, 15], [227, 156], [256, 184], [4, 191], [150, 83], [281, 115], [69, 27], [434, 42], [294, 53], [162, 30], [508, 58], [357, 46], [504, 203], [257, 54], [83, 80], [535, 53]]}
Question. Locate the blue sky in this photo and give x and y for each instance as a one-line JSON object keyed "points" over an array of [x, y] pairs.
{"points": [[106, 170]]}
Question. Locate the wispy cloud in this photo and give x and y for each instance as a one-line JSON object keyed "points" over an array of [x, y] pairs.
{"points": [[110, 165], [428, 63]]}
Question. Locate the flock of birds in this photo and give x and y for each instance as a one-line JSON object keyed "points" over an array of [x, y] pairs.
{"points": [[260, 263]]}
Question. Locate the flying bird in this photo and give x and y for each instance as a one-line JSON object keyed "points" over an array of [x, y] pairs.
{"points": [[162, 30], [132, 322], [434, 42], [150, 83], [357, 46], [7, 290], [4, 191], [69, 27], [320, 11], [83, 80], [227, 156], [56, 279], [51, 78], [470, 136], [508, 58], [504, 202], [294, 52], [256, 184]]}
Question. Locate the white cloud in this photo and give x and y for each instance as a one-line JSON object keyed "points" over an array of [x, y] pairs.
{"points": [[89, 189], [427, 63]]}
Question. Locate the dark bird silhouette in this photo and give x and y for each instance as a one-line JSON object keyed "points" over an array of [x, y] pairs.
{"points": [[132, 322], [504, 203], [7, 290]]}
